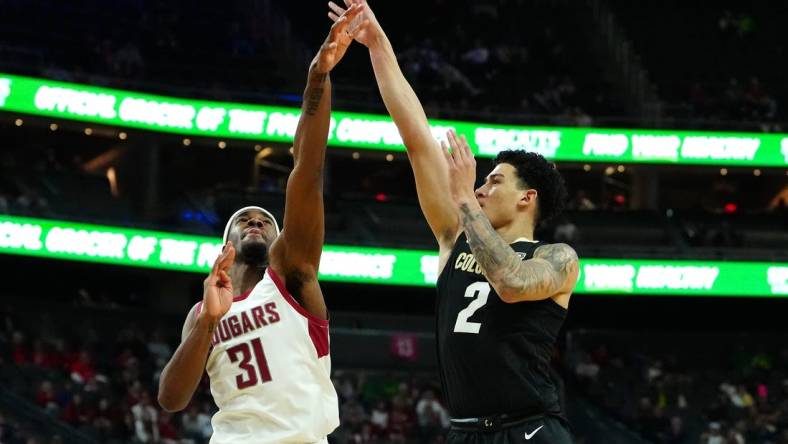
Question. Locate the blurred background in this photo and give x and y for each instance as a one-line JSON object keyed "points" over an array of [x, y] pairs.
{"points": [[677, 333]]}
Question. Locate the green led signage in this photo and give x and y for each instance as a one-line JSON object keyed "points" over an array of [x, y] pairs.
{"points": [[368, 265], [368, 131]]}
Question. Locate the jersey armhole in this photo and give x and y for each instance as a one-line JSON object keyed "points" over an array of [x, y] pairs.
{"points": [[280, 285], [317, 327]]}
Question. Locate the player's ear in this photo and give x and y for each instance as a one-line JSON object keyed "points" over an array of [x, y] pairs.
{"points": [[527, 197]]}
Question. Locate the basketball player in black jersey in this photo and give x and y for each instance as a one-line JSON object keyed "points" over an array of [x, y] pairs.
{"points": [[502, 296]]}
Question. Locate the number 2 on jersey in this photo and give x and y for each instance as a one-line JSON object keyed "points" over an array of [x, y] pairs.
{"points": [[243, 350], [479, 291]]}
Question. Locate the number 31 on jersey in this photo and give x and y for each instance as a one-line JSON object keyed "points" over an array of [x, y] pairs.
{"points": [[479, 291]]}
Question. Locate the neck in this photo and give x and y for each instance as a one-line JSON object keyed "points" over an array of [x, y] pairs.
{"points": [[245, 276], [516, 229]]}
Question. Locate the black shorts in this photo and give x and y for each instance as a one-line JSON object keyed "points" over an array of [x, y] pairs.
{"points": [[539, 430]]}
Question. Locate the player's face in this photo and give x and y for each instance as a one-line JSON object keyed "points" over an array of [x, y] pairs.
{"points": [[501, 197], [252, 233]]}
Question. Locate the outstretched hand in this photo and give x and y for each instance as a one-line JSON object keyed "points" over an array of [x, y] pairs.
{"points": [[345, 28], [462, 168], [366, 34], [217, 287]]}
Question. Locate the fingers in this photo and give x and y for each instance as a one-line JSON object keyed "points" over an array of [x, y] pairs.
{"points": [[227, 257], [451, 137], [336, 10], [353, 11], [466, 147], [448, 155], [456, 150], [215, 267], [460, 146], [224, 279], [341, 23]]}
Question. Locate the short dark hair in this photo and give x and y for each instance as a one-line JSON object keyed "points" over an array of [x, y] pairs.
{"points": [[534, 171]]}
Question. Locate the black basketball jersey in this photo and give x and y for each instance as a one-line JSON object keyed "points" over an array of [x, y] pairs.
{"points": [[494, 357]]}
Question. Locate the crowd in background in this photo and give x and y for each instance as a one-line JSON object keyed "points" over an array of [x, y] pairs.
{"points": [[104, 386], [675, 397]]}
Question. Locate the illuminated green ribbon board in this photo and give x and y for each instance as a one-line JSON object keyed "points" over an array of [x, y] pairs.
{"points": [[169, 251], [376, 132]]}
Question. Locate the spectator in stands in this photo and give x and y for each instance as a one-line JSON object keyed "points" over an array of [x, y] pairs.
{"points": [[379, 418], [82, 369], [158, 347], [146, 427], [196, 425], [676, 434], [45, 398], [581, 202], [206, 413], [433, 419], [353, 415], [565, 230], [106, 417], [586, 369], [168, 434], [363, 435], [714, 435], [77, 413], [734, 437], [400, 421]]}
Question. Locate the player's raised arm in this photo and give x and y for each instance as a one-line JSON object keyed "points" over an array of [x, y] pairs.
{"points": [[551, 272], [295, 255], [432, 182]]}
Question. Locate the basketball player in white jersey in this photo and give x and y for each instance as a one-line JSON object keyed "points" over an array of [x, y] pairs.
{"points": [[261, 330]]}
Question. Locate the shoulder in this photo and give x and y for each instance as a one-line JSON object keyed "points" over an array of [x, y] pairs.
{"points": [[561, 256], [566, 268]]}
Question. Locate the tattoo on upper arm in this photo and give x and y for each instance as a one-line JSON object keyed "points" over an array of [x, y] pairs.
{"points": [[502, 266], [314, 93], [561, 257]]}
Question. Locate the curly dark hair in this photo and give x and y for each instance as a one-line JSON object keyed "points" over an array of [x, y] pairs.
{"points": [[534, 171]]}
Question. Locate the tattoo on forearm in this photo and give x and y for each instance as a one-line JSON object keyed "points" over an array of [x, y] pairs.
{"points": [[487, 246], [314, 93], [505, 269]]}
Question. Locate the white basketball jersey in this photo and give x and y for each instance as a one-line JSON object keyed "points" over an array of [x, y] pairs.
{"points": [[270, 370]]}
